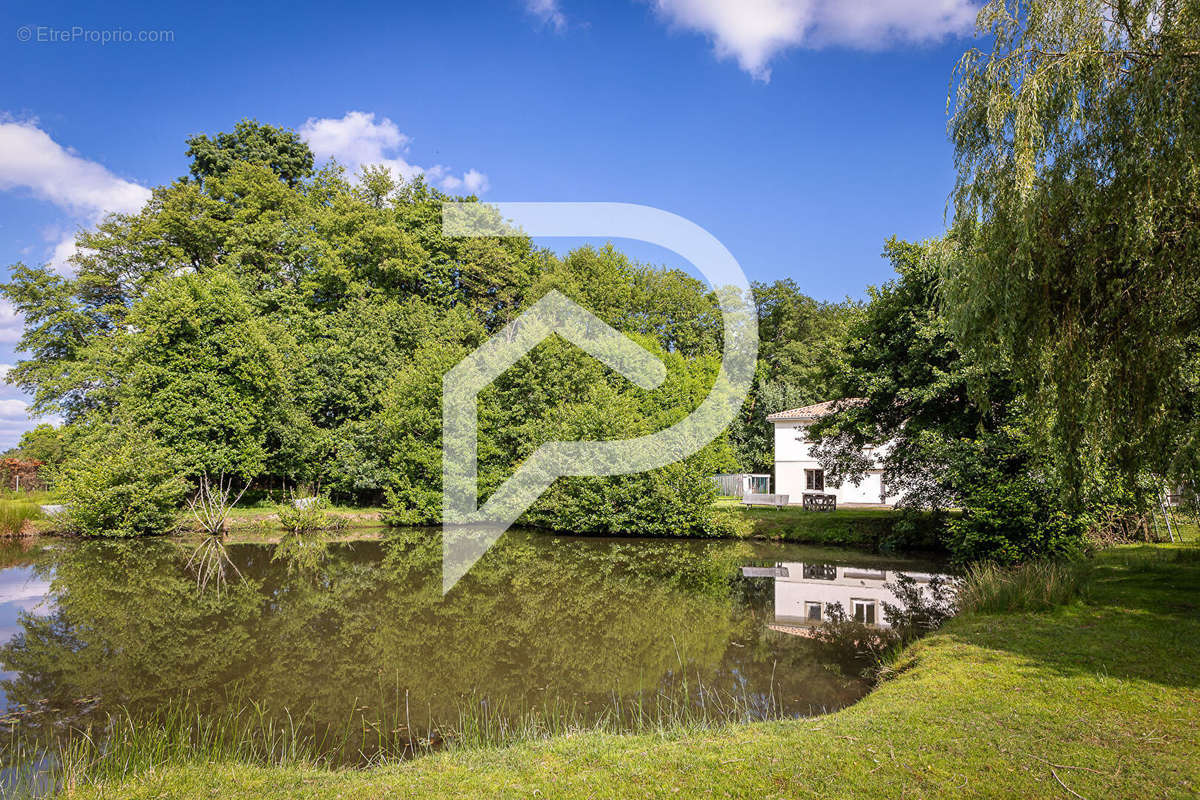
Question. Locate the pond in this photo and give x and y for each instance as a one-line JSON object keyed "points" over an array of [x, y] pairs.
{"points": [[353, 644]]}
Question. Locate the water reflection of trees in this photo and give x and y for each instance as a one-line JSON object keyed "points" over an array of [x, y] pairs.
{"points": [[364, 630]]}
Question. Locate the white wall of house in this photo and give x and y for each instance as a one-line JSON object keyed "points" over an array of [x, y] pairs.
{"points": [[793, 460]]}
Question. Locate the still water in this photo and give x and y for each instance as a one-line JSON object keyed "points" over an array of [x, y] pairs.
{"points": [[358, 635]]}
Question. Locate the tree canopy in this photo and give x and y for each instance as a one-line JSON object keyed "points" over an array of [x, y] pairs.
{"points": [[1077, 141], [293, 326], [282, 151]]}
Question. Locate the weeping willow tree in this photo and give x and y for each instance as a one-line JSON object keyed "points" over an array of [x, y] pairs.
{"points": [[1077, 144]]}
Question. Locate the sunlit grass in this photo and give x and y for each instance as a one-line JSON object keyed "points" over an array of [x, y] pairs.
{"points": [[1037, 586], [15, 513]]}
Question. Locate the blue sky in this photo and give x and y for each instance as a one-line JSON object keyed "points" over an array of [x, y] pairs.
{"points": [[801, 133]]}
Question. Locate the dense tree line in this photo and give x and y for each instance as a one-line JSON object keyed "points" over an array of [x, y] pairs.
{"points": [[1037, 368], [286, 325]]}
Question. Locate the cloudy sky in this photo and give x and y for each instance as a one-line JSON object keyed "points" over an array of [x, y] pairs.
{"points": [[801, 133]]}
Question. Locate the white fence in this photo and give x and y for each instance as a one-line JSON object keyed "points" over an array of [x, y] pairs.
{"points": [[742, 484]]}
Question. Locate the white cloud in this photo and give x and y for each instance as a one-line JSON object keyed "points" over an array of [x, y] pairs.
{"points": [[11, 324], [14, 410], [358, 139], [474, 181], [548, 12], [754, 31], [30, 159], [87, 191]]}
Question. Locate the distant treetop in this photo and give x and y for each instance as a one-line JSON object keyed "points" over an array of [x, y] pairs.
{"points": [[281, 150]]}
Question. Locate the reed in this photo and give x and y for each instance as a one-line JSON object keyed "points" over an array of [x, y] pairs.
{"points": [[1037, 586], [123, 745], [14, 514]]}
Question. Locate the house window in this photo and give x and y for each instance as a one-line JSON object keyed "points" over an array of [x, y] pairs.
{"points": [[820, 572], [814, 480], [812, 611], [864, 611]]}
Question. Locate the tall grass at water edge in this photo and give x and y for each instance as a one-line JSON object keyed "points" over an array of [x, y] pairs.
{"points": [[1037, 586], [14, 513], [124, 746]]}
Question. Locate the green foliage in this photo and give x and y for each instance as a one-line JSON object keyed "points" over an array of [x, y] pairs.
{"points": [[283, 151], [989, 588], [121, 483], [287, 326], [45, 443], [306, 515], [1013, 518], [1077, 141], [954, 430], [207, 376]]}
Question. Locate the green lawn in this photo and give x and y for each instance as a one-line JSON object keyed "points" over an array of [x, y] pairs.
{"points": [[1095, 700]]}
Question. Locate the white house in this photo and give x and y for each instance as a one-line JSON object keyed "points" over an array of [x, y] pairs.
{"points": [[798, 473]]}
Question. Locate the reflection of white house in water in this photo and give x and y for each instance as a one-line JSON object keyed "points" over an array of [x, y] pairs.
{"points": [[804, 592]]}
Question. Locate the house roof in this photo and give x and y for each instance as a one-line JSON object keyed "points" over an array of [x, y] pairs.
{"points": [[815, 411]]}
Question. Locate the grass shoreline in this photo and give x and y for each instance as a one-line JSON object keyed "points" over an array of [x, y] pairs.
{"points": [[1093, 700], [873, 529]]}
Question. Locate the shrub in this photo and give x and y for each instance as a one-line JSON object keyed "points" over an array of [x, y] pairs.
{"points": [[729, 525], [120, 485], [1014, 520], [989, 588], [304, 515]]}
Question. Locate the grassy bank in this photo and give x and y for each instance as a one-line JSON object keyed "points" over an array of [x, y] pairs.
{"points": [[869, 528], [251, 519], [1095, 699]]}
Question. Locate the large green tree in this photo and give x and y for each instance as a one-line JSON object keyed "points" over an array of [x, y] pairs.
{"points": [[294, 325], [211, 379], [279, 149], [1077, 139], [951, 430]]}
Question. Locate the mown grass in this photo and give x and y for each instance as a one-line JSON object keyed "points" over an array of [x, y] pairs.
{"points": [[1093, 699]]}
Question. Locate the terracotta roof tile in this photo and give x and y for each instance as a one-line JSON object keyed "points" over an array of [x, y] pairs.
{"points": [[815, 411]]}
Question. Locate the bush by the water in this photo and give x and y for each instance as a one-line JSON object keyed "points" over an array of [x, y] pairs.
{"points": [[123, 484], [1013, 520], [304, 515]]}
